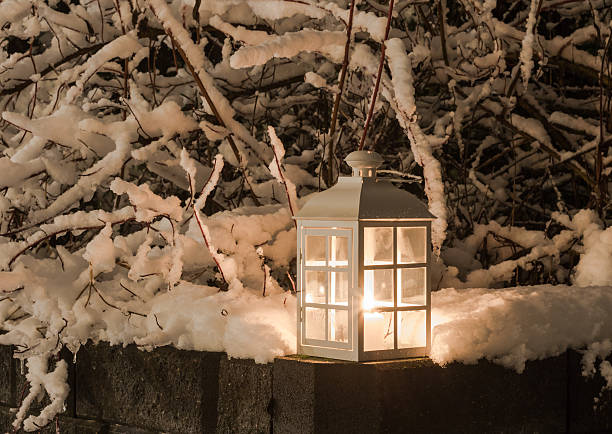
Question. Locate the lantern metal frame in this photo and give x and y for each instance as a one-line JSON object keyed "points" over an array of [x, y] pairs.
{"points": [[346, 220]]}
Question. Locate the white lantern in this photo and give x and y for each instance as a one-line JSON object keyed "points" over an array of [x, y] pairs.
{"points": [[363, 269]]}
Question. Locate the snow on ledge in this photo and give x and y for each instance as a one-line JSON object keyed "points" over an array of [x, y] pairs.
{"points": [[510, 326]]}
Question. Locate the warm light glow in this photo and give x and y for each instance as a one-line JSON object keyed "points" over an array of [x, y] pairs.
{"points": [[368, 292], [315, 263], [374, 322]]}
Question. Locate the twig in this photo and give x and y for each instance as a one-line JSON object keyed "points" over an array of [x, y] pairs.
{"points": [[332, 127], [61, 231], [212, 106], [201, 226], [282, 176], [378, 76], [442, 21], [48, 69]]}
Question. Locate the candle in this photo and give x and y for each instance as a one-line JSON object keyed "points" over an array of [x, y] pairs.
{"points": [[373, 331], [377, 334], [373, 322]]}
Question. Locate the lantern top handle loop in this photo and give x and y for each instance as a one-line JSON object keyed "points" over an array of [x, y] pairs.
{"points": [[364, 163]]}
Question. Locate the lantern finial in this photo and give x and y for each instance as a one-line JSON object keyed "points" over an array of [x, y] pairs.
{"points": [[364, 163]]}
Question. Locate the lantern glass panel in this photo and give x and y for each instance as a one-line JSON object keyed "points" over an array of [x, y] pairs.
{"points": [[378, 288], [339, 251], [411, 329], [378, 331], [378, 246], [314, 323], [411, 243], [412, 288], [339, 288], [315, 251], [338, 325], [316, 282]]}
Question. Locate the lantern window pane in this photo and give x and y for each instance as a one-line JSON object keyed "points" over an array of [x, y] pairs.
{"points": [[411, 243], [412, 287], [339, 251], [377, 246], [378, 288], [338, 325], [316, 282], [411, 326], [315, 251], [338, 293], [378, 331], [314, 323]]}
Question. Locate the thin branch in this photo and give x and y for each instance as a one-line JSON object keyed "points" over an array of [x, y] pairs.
{"points": [[201, 226], [50, 68], [332, 127], [378, 76]]}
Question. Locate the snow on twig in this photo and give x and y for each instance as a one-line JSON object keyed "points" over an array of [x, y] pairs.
{"points": [[54, 383], [403, 83], [278, 172], [209, 186], [526, 55], [330, 43], [192, 55]]}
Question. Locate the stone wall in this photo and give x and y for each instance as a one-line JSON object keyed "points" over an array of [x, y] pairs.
{"points": [[125, 390]]}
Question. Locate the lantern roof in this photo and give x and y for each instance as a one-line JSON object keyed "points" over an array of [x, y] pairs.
{"points": [[363, 196]]}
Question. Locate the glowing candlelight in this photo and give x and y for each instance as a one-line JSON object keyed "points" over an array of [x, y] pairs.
{"points": [[374, 322]]}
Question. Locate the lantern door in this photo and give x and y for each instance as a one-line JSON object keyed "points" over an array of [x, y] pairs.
{"points": [[325, 308], [396, 313]]}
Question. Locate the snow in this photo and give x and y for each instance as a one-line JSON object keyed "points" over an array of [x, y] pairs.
{"points": [[53, 383], [251, 37], [148, 205], [196, 58], [100, 252], [12, 10], [594, 265], [278, 9], [279, 174], [526, 55], [315, 79], [327, 42], [403, 82], [124, 46], [514, 325]]}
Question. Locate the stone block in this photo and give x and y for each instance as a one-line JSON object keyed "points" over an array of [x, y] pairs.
{"points": [[483, 397], [65, 425], [418, 396], [166, 389], [590, 406], [316, 395], [69, 425], [6, 368], [293, 391], [123, 429], [245, 393]]}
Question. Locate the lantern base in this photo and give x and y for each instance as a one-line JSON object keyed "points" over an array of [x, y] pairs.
{"points": [[361, 356]]}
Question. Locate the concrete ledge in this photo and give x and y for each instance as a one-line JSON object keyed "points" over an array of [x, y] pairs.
{"points": [[586, 415], [386, 396], [6, 370], [245, 396], [165, 390], [125, 390]]}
